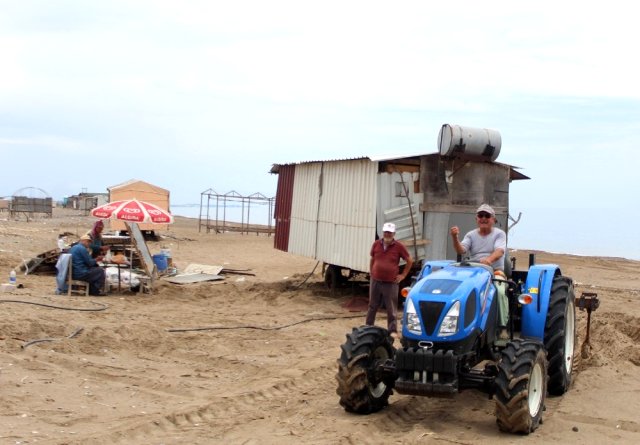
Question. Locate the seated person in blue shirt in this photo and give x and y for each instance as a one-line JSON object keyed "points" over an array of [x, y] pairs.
{"points": [[85, 268], [96, 240]]}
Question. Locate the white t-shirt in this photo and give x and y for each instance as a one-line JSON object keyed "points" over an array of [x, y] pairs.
{"points": [[478, 246]]}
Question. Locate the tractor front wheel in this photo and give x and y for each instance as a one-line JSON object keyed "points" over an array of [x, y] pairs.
{"points": [[521, 386], [362, 386], [560, 334]]}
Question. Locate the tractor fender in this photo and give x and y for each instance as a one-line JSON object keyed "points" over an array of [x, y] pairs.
{"points": [[538, 285]]}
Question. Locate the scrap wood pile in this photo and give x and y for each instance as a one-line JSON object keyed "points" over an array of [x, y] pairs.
{"points": [[44, 263]]}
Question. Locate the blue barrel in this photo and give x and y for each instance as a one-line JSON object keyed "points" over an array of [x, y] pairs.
{"points": [[160, 261]]}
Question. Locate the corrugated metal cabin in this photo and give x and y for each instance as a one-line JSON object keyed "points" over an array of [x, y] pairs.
{"points": [[333, 210]]}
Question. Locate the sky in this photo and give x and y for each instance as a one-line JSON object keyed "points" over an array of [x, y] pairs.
{"points": [[198, 95]]}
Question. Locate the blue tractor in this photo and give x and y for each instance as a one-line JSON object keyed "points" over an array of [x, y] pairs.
{"points": [[450, 342]]}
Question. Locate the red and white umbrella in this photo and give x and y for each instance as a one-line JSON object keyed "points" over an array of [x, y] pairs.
{"points": [[132, 210]]}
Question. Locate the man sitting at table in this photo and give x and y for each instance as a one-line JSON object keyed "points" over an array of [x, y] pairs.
{"points": [[85, 268]]}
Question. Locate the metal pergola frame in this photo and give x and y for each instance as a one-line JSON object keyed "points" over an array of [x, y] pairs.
{"points": [[219, 223]]}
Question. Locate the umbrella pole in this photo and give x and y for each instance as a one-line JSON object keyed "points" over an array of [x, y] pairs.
{"points": [[131, 250], [131, 244]]}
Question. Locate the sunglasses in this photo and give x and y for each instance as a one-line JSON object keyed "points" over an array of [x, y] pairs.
{"points": [[483, 215]]}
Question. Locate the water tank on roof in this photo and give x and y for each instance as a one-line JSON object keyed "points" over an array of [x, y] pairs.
{"points": [[469, 143]]}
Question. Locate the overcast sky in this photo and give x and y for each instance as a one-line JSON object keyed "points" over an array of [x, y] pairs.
{"points": [[192, 95]]}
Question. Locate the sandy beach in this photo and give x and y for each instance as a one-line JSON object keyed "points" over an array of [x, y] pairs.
{"points": [[261, 369]]}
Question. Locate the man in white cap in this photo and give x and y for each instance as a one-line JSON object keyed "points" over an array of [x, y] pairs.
{"points": [[385, 276], [85, 268], [487, 245]]}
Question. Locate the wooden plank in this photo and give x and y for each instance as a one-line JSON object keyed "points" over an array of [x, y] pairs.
{"points": [[237, 272], [457, 208], [54, 253], [419, 242], [251, 229], [29, 265]]}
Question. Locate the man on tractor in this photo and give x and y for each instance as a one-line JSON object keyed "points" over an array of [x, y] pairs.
{"points": [[487, 245]]}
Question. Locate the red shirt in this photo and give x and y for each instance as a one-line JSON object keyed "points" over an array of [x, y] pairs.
{"points": [[385, 262]]}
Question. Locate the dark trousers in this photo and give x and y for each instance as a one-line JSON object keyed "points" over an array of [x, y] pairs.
{"points": [[95, 278], [387, 292]]}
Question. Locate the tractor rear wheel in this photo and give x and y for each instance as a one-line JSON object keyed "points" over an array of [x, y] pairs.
{"points": [[521, 386], [560, 334], [361, 386]]}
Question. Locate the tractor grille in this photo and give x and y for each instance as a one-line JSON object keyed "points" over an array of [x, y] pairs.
{"points": [[430, 314], [470, 309]]}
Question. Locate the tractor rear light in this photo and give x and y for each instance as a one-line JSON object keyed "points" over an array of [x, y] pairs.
{"points": [[525, 299], [405, 291]]}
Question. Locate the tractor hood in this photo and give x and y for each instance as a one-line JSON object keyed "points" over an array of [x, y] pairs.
{"points": [[449, 304]]}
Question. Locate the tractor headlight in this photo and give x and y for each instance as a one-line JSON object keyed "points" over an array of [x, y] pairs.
{"points": [[412, 322], [449, 325]]}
